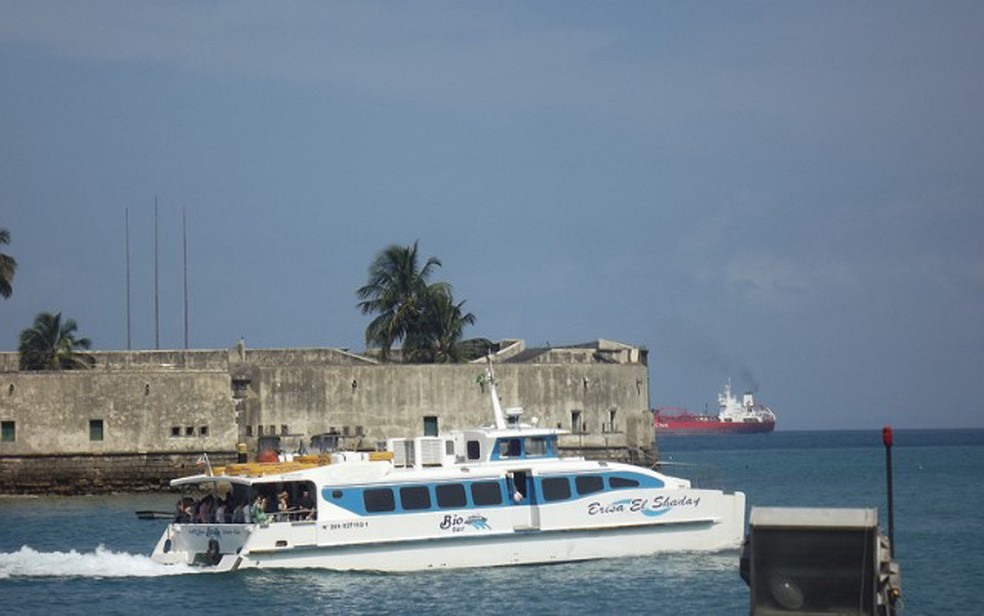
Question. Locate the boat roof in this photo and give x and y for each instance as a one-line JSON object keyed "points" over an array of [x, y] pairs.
{"points": [[361, 472]]}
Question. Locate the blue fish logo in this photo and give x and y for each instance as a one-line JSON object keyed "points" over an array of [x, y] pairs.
{"points": [[478, 522]]}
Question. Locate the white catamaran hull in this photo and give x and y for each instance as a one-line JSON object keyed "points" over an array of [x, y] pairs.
{"points": [[295, 545], [491, 496]]}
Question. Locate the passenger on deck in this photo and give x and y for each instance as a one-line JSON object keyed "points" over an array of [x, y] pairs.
{"points": [[239, 513], [205, 510], [182, 511], [305, 505], [270, 504], [283, 506], [220, 511], [247, 512], [258, 510]]}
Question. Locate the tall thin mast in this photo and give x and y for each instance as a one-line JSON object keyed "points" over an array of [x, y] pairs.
{"points": [[126, 242], [500, 416], [184, 235], [157, 309]]}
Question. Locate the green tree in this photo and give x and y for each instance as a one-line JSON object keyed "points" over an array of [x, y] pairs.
{"points": [[8, 265], [439, 337], [50, 344], [412, 310], [397, 292]]}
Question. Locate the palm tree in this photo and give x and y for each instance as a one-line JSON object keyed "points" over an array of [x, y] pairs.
{"points": [[397, 291], [8, 265], [437, 341], [51, 345], [451, 325]]}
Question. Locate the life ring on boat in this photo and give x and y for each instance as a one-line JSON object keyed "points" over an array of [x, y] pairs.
{"points": [[213, 554]]}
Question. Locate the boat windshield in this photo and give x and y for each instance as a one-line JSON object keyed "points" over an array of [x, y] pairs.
{"points": [[524, 447]]}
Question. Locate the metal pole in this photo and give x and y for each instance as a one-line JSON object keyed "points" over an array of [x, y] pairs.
{"points": [[127, 248], [184, 233], [887, 440], [157, 304]]}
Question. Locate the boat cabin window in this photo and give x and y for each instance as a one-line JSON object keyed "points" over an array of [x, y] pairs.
{"points": [[485, 493], [415, 497], [529, 447], [616, 482], [589, 484], [379, 500], [536, 447], [556, 488], [510, 448], [450, 495], [474, 450]]}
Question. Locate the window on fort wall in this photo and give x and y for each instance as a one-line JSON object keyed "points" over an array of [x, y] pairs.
{"points": [[189, 430], [430, 425], [203, 431], [8, 431], [175, 431], [249, 430], [95, 429]]}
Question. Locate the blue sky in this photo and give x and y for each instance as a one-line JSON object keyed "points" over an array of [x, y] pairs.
{"points": [[784, 193]]}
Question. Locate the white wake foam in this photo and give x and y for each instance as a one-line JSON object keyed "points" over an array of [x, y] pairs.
{"points": [[28, 562]]}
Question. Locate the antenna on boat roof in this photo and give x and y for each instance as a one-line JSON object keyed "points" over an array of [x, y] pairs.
{"points": [[500, 416]]}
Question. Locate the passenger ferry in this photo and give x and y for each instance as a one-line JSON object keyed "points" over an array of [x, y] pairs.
{"points": [[498, 495]]}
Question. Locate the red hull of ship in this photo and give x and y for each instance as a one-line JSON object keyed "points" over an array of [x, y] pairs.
{"points": [[707, 424]]}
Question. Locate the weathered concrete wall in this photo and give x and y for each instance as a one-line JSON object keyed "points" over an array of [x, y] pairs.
{"points": [[386, 401], [138, 411], [129, 418]]}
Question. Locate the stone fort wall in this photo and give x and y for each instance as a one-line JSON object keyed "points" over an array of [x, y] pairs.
{"points": [[138, 419]]}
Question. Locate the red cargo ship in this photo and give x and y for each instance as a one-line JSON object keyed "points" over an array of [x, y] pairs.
{"points": [[735, 417]]}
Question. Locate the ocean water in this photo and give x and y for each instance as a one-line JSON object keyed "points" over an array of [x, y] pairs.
{"points": [[90, 554]]}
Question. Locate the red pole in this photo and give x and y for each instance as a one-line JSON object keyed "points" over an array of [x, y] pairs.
{"points": [[887, 440]]}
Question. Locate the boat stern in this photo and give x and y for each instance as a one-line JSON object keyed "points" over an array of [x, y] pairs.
{"points": [[197, 544]]}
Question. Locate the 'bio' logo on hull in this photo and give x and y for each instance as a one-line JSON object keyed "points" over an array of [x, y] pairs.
{"points": [[458, 523]]}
